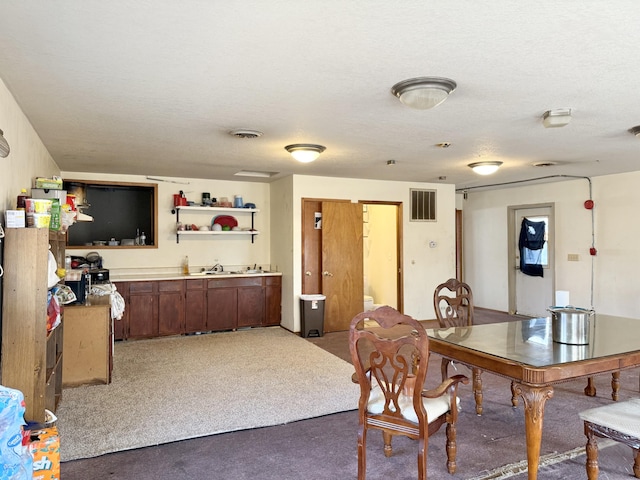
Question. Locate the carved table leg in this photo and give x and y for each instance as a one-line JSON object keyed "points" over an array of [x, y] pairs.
{"points": [[534, 399], [590, 389], [514, 395], [592, 454], [477, 389], [615, 385]]}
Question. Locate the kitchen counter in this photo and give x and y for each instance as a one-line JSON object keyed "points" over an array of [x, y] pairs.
{"points": [[141, 277]]}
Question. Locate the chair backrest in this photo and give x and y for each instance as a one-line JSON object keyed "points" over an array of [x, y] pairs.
{"points": [[387, 348], [453, 304]]}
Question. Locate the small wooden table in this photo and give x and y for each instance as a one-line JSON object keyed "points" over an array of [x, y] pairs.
{"points": [[524, 352]]}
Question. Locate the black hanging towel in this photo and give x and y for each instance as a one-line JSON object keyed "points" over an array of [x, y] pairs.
{"points": [[530, 244]]}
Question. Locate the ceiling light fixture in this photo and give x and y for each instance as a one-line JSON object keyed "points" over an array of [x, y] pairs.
{"points": [[485, 168], [305, 152], [556, 118], [635, 130], [4, 145], [423, 92]]}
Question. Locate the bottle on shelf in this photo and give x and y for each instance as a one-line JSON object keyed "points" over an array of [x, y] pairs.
{"points": [[21, 204]]}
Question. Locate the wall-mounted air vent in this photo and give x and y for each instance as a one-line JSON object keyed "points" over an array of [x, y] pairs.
{"points": [[423, 205]]}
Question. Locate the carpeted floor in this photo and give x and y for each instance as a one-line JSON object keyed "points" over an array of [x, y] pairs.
{"points": [[175, 388], [489, 446]]}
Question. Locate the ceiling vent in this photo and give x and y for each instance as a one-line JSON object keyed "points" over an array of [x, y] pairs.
{"points": [[244, 133], [545, 164]]}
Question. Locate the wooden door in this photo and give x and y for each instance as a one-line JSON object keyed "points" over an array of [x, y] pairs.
{"points": [[143, 310], [195, 306], [251, 305], [342, 269], [222, 308]]}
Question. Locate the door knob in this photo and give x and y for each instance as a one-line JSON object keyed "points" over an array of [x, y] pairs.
{"points": [[307, 273], [327, 274]]}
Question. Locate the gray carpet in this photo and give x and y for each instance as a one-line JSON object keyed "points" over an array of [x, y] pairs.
{"points": [[170, 389]]}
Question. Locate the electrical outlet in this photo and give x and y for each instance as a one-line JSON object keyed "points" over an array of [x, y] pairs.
{"points": [[573, 257]]}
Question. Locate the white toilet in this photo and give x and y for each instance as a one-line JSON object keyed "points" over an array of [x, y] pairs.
{"points": [[368, 303]]}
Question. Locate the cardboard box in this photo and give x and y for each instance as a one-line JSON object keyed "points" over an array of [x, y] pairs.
{"points": [[15, 219], [54, 183], [50, 193], [45, 449]]}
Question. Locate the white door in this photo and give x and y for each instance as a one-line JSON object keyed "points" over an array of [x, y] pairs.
{"points": [[531, 295]]}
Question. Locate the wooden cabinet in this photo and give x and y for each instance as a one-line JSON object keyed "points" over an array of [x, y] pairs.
{"points": [[174, 307], [195, 306], [31, 357], [273, 300], [87, 345]]}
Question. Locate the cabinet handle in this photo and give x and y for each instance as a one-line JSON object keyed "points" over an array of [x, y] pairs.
{"points": [[327, 274], [307, 273]]}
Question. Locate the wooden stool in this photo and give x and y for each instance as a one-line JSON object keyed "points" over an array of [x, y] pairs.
{"points": [[618, 421]]}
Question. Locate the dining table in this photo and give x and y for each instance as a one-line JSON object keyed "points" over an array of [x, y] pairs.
{"points": [[525, 352]]}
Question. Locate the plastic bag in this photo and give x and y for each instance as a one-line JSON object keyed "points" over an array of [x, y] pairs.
{"points": [[16, 462]]}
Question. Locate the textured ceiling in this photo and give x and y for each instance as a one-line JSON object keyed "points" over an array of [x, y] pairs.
{"points": [[154, 87]]}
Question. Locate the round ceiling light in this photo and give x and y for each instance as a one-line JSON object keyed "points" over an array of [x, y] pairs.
{"points": [[305, 152], [423, 92], [485, 168]]}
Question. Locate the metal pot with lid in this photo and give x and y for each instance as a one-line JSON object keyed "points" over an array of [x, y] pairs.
{"points": [[572, 325]]}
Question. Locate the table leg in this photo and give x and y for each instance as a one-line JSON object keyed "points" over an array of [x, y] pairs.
{"points": [[590, 389], [534, 399], [615, 385], [477, 389]]}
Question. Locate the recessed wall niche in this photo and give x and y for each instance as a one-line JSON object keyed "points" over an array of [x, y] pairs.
{"points": [[122, 213]]}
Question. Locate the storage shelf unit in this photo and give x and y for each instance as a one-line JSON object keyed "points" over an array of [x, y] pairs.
{"points": [[251, 232], [31, 357]]}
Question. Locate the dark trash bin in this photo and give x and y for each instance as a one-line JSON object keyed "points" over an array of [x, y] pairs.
{"points": [[312, 315]]}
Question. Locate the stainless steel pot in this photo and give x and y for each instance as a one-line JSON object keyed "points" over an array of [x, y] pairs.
{"points": [[572, 325]]}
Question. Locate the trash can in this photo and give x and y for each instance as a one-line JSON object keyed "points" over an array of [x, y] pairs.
{"points": [[312, 315]]}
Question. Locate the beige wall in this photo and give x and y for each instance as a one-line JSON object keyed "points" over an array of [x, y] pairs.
{"points": [[423, 268], [380, 248], [615, 268], [28, 157]]}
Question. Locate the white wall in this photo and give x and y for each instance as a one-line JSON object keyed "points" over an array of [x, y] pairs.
{"points": [[28, 157], [423, 268], [615, 266], [232, 251]]}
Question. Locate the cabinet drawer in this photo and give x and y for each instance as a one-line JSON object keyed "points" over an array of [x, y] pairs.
{"points": [[170, 286], [235, 282], [272, 280], [141, 287], [196, 284]]}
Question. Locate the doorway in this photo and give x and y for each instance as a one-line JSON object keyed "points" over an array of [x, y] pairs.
{"points": [[333, 251], [531, 295]]}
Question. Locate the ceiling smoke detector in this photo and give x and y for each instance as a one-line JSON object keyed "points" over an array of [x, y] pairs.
{"points": [[244, 133]]}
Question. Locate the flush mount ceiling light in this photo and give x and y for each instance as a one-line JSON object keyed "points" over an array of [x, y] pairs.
{"points": [[423, 92], [485, 168], [556, 118], [305, 152], [4, 145], [635, 130]]}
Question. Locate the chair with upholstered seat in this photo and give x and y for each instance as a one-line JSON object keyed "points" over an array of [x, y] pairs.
{"points": [[453, 305], [390, 354], [617, 421]]}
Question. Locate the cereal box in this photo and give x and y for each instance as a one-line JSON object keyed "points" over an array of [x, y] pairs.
{"points": [[45, 449]]}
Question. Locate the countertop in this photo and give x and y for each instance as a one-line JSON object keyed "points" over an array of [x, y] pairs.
{"points": [[140, 277]]}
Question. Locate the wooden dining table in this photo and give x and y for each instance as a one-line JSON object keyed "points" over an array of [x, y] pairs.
{"points": [[524, 351]]}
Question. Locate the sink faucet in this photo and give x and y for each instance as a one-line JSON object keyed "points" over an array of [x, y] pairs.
{"points": [[217, 268]]}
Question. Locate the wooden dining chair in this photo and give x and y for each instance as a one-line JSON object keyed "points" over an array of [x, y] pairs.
{"points": [[390, 353], [453, 305], [617, 421]]}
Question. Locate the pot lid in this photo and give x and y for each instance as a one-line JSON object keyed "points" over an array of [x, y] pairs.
{"points": [[92, 257], [570, 309]]}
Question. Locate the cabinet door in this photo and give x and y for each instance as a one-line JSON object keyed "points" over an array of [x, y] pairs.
{"points": [[272, 301], [120, 326], [171, 307], [222, 308], [195, 306], [250, 306], [143, 310]]}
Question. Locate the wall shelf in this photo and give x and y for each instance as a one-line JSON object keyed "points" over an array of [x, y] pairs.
{"points": [[194, 209]]}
